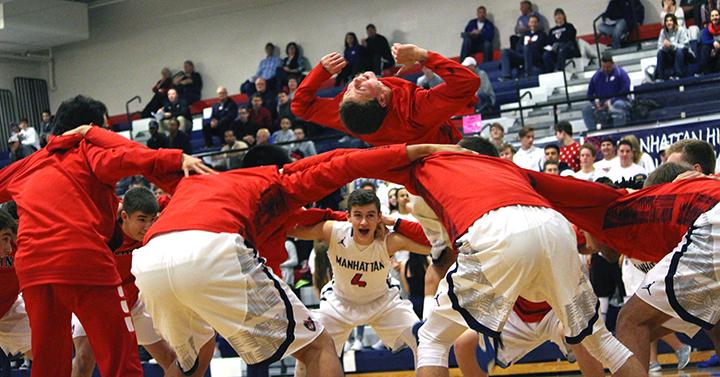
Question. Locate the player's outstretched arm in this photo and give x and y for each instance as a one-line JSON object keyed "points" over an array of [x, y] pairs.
{"points": [[318, 232], [307, 106], [397, 242]]}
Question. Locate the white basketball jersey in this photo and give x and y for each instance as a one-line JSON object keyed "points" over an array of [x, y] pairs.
{"points": [[360, 273]]}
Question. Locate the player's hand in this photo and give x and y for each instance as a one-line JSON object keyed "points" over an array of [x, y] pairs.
{"points": [[407, 55], [418, 151], [81, 130], [388, 220], [194, 164], [689, 175], [333, 63]]}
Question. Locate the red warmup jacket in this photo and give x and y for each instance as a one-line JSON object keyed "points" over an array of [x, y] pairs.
{"points": [[645, 225], [123, 260], [65, 194], [256, 202], [415, 115]]}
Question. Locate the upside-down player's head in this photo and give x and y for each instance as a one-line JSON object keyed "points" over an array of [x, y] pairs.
{"points": [[364, 215], [480, 145], [79, 111], [364, 105], [666, 173], [262, 155], [139, 210]]}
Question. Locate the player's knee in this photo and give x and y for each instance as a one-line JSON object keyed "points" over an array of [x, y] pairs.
{"points": [[434, 348], [466, 344], [84, 362], [323, 343]]}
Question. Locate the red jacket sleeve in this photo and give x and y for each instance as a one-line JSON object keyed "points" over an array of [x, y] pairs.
{"points": [[317, 181], [312, 216], [109, 165], [307, 162], [433, 107], [411, 230], [307, 106]]}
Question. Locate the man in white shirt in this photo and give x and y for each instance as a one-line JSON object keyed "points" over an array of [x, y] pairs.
{"points": [[607, 148], [626, 169], [28, 135], [528, 156]]}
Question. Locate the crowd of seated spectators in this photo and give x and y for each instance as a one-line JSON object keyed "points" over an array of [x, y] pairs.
{"points": [[25, 139]]}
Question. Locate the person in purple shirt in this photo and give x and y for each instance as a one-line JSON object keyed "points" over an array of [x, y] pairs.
{"points": [[478, 36], [607, 94]]}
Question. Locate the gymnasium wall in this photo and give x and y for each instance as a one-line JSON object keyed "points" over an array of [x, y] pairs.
{"points": [[9, 69], [130, 41]]}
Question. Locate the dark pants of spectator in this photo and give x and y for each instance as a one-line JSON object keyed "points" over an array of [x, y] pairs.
{"points": [[555, 60], [513, 59], [190, 97], [671, 63], [470, 46], [514, 39], [484, 103], [616, 31], [208, 133], [709, 59], [155, 103]]}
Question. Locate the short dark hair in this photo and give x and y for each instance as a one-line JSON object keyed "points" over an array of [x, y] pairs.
{"points": [[506, 146], [270, 44], [607, 139], [370, 26], [524, 131], [140, 199], [256, 95], [526, 2], [607, 58], [589, 147], [666, 172], [24, 120], [47, 111], [551, 162], [559, 11], [78, 111], [695, 152], [552, 146], [625, 142], [564, 126], [481, 7], [535, 17], [189, 62], [368, 183], [480, 145], [362, 118], [497, 125], [361, 198], [262, 155], [7, 221], [11, 208]]}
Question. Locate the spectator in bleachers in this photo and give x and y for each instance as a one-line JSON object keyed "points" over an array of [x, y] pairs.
{"points": [[268, 95], [639, 157], [478, 36], [569, 148], [221, 119], [293, 65], [587, 170], [283, 106], [626, 169], [188, 83], [528, 52], [230, 160], [262, 137], [160, 90], [377, 51], [177, 139], [177, 108], [610, 159], [497, 134], [561, 43], [307, 147], [292, 88], [710, 41], [672, 55], [705, 11], [552, 153], [507, 152], [607, 93], [157, 139], [485, 93], [617, 21], [551, 167], [671, 7], [45, 127], [18, 150], [528, 156], [284, 134], [259, 114], [28, 135], [522, 26], [351, 53], [428, 79], [267, 69], [244, 127]]}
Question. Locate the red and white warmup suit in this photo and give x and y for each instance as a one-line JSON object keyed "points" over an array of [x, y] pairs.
{"points": [[415, 115], [65, 193]]}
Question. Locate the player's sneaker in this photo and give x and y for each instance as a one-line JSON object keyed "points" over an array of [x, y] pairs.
{"points": [[357, 345], [486, 355], [683, 356], [379, 345], [655, 366], [709, 363]]}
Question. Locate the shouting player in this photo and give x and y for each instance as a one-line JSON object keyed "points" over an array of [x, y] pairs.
{"points": [[390, 110], [360, 292]]}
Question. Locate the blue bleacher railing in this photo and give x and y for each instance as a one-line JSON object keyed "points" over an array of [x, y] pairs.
{"points": [[129, 115]]}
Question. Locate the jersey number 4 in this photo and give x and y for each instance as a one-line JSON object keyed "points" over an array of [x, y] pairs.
{"points": [[356, 281]]}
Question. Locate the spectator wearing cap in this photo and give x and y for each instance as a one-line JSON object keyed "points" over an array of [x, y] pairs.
{"points": [[528, 156], [497, 134], [307, 147], [428, 79], [478, 36], [28, 135], [610, 159], [569, 148], [527, 53], [507, 152], [18, 150], [157, 139], [561, 44], [607, 93], [587, 170], [626, 169], [485, 93]]}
